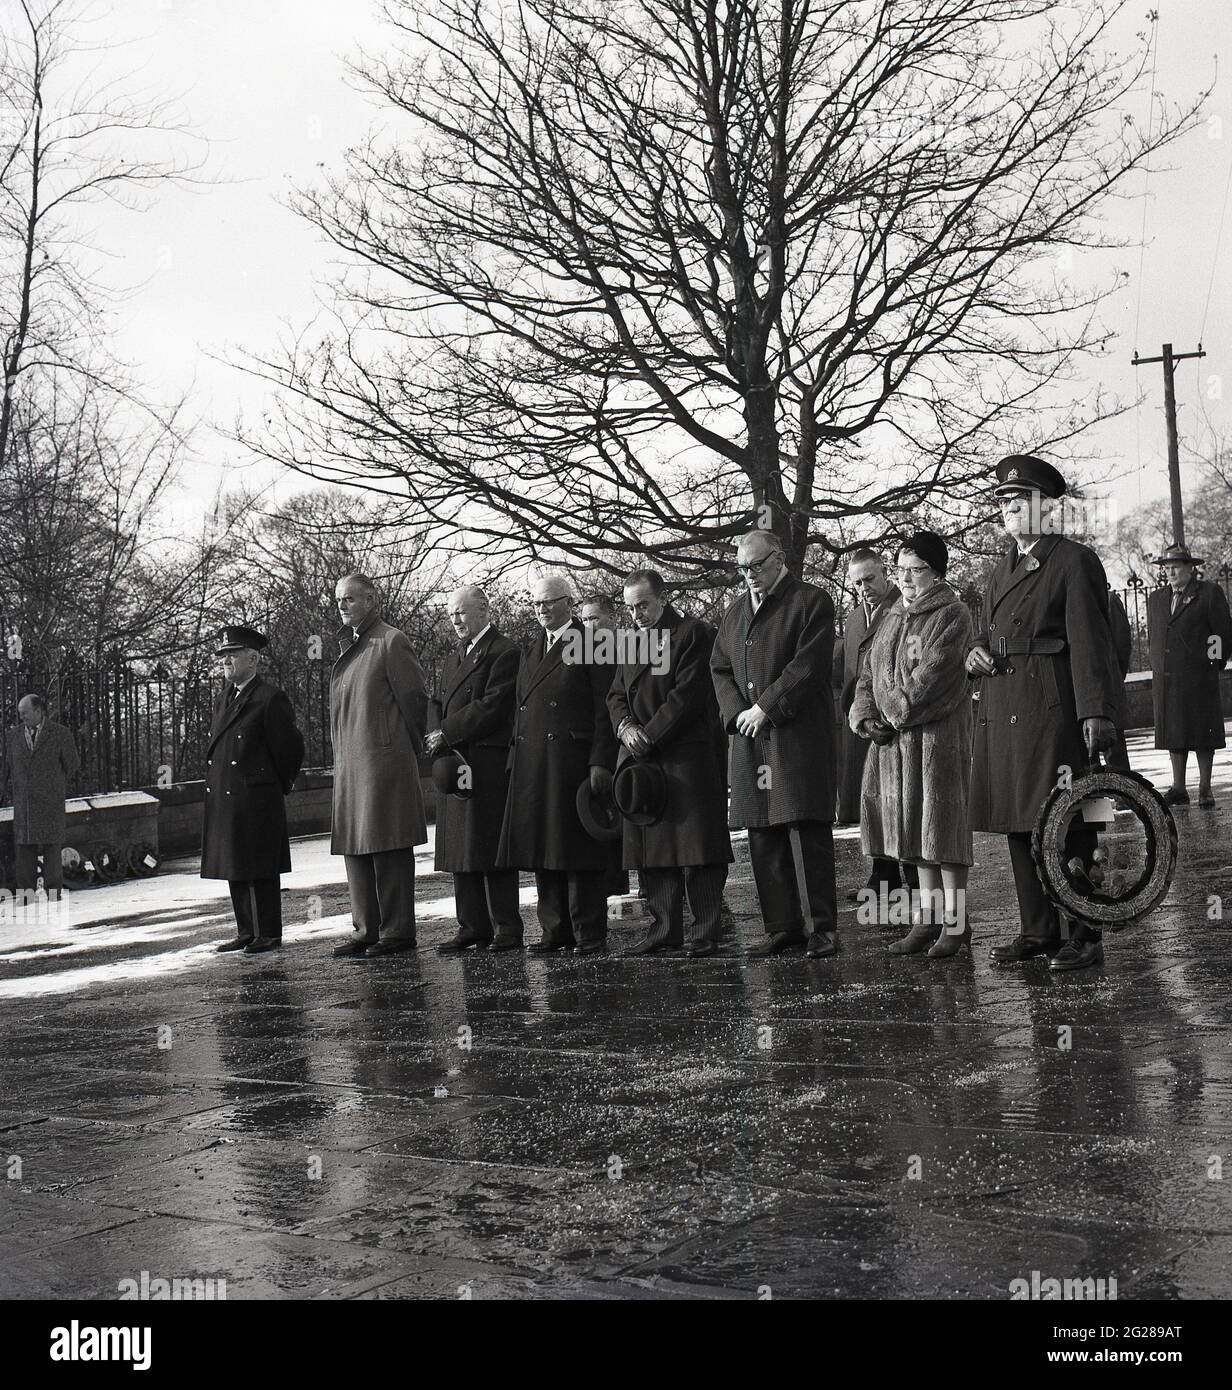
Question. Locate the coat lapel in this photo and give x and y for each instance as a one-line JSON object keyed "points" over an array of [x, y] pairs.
{"points": [[225, 716], [467, 664], [1188, 594], [1016, 574], [546, 664], [669, 622], [879, 613]]}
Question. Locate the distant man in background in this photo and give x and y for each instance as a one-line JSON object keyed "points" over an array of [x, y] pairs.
{"points": [[876, 594], [1191, 641], [470, 718], [598, 610], [377, 705], [772, 664], [39, 759], [1123, 649], [253, 757]]}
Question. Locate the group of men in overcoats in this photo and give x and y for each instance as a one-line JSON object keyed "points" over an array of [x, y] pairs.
{"points": [[550, 761]]}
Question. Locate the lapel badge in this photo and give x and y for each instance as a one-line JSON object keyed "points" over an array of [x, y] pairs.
{"points": [[1032, 563]]}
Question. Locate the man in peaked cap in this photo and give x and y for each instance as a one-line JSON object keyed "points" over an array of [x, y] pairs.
{"points": [[1191, 640], [254, 755], [1049, 692]]}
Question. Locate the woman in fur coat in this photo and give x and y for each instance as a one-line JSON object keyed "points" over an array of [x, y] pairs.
{"points": [[914, 702]]}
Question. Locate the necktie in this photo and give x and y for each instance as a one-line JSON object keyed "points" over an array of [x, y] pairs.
{"points": [[1176, 601], [232, 693]]}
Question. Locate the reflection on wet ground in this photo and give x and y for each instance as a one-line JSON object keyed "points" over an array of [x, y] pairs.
{"points": [[510, 1126]]}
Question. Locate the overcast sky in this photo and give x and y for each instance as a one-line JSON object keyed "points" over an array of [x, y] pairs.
{"points": [[263, 81]]}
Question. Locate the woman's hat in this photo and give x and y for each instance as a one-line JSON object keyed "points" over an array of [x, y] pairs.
{"points": [[929, 546]]}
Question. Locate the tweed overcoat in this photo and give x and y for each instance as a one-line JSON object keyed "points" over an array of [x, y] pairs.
{"points": [[1188, 651], [253, 757], [377, 705], [850, 658], [780, 658], [561, 729], [678, 712], [914, 796], [473, 707], [1028, 726], [38, 782]]}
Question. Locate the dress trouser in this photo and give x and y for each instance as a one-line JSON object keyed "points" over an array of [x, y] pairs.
{"points": [[1041, 921], [665, 894], [572, 906], [382, 890], [25, 866], [778, 885], [486, 905], [258, 907]]}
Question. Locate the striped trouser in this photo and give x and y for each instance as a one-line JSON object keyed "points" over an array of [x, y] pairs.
{"points": [[665, 894]]}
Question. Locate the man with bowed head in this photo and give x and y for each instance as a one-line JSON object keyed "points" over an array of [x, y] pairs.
{"points": [[377, 704], [1049, 691], [772, 666], [563, 748]]}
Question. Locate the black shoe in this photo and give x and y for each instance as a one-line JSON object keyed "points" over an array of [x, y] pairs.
{"points": [[390, 946], [697, 949], [505, 943], [241, 943], [773, 945], [262, 943], [549, 948], [1077, 955], [822, 944], [650, 948], [352, 948], [458, 945], [1023, 948], [1176, 796], [590, 948], [1206, 802]]}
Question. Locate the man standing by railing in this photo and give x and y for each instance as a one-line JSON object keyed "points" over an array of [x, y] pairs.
{"points": [[254, 755], [39, 759]]}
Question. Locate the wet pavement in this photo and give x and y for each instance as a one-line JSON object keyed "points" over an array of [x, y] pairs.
{"points": [[518, 1127]]}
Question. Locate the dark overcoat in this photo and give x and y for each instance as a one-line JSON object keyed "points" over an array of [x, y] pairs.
{"points": [[377, 703], [1028, 726], [850, 659], [561, 730], [679, 714], [1188, 651], [473, 707], [780, 658], [254, 754], [914, 798], [38, 782]]}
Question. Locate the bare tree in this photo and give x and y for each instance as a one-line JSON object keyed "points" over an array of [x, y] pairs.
{"points": [[633, 275], [69, 138]]}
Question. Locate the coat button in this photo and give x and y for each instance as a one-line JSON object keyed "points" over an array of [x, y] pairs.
{"points": [[232, 762], [1013, 719], [521, 706], [551, 704], [750, 685], [1017, 622], [1009, 670], [983, 722], [748, 641], [209, 762], [551, 736], [992, 627]]}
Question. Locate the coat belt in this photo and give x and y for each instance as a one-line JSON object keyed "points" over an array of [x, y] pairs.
{"points": [[1031, 646]]}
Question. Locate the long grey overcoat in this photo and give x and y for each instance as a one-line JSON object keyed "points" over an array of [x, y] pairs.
{"points": [[377, 703], [850, 658], [679, 714], [38, 782], [254, 754], [1188, 651], [1028, 727], [780, 658], [473, 708], [914, 796]]}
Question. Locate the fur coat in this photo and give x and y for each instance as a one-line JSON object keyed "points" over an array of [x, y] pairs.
{"points": [[914, 795]]}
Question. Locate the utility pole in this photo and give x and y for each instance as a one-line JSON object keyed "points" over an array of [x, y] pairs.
{"points": [[1170, 359]]}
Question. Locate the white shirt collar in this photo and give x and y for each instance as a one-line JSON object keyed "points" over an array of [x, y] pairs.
{"points": [[470, 646], [557, 633]]}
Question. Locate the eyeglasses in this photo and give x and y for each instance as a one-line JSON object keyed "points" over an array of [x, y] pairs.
{"points": [[756, 566], [550, 602], [908, 571]]}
